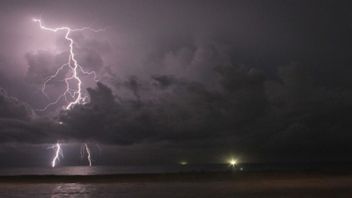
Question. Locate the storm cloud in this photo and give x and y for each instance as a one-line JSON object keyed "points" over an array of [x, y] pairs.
{"points": [[268, 80]]}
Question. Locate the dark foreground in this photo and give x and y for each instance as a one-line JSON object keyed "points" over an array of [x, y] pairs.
{"points": [[269, 184]]}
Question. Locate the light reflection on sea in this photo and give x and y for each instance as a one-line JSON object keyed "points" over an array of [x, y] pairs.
{"points": [[106, 190], [302, 188]]}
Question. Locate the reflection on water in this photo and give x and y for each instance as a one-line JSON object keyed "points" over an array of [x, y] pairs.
{"points": [[248, 189], [77, 170], [105, 190], [72, 190]]}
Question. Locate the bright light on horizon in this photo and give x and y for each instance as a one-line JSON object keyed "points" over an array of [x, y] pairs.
{"points": [[232, 162]]}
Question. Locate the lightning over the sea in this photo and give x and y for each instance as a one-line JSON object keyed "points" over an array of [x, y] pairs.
{"points": [[58, 153], [86, 150], [89, 157], [73, 93]]}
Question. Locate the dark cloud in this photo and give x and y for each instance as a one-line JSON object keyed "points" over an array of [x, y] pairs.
{"points": [[11, 107], [18, 123], [20, 131], [180, 109], [249, 113]]}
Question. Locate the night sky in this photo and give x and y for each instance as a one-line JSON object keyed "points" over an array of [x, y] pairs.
{"points": [[200, 81]]}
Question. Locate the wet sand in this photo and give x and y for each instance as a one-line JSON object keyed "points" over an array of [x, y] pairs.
{"points": [[268, 184]]}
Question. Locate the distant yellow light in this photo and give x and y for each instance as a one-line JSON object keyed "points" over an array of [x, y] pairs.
{"points": [[232, 162]]}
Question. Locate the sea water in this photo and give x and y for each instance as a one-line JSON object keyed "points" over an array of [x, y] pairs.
{"points": [[169, 189]]}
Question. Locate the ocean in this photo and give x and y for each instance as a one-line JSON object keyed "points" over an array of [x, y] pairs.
{"points": [[255, 188], [239, 185]]}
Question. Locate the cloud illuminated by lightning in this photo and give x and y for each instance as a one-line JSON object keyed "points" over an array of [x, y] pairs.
{"points": [[72, 95]]}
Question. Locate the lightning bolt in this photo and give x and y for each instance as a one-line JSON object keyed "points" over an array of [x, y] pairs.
{"points": [[85, 149], [88, 154], [58, 153], [72, 95]]}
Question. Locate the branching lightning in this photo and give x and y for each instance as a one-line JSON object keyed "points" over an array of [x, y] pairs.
{"points": [[73, 94]]}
